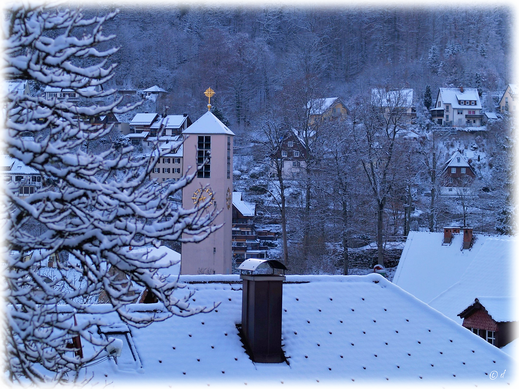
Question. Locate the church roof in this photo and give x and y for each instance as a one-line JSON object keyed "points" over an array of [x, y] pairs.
{"points": [[208, 124]]}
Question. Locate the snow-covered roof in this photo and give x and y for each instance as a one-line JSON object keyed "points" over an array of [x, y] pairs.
{"points": [[17, 86], [208, 124], [336, 329], [491, 115], [393, 98], [457, 160], [448, 278], [499, 308], [320, 106], [15, 166], [245, 208], [453, 96], [143, 119], [155, 89], [170, 122]]}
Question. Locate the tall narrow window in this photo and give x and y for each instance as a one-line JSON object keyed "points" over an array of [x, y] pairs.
{"points": [[204, 153], [228, 157]]}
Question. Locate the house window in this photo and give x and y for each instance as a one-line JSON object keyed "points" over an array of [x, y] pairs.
{"points": [[18, 178], [296, 154], [284, 154], [489, 336], [290, 143], [453, 170], [156, 170], [203, 153], [447, 108], [463, 170], [296, 164], [460, 112]]}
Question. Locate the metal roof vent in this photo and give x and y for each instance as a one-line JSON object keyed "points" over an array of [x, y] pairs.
{"points": [[262, 302]]}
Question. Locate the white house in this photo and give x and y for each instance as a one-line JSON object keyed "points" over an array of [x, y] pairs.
{"points": [[458, 107], [19, 178]]}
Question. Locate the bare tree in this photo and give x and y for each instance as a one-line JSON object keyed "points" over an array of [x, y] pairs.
{"points": [[382, 118], [92, 209], [273, 137]]}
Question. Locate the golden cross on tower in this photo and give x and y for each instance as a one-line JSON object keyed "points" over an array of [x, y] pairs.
{"points": [[209, 93]]}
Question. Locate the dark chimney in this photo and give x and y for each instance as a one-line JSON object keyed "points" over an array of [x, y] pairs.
{"points": [[262, 308]]}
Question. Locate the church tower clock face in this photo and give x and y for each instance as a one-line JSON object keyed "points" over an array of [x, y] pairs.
{"points": [[201, 195]]}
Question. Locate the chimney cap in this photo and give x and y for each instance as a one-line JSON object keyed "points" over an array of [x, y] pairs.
{"points": [[252, 264]]}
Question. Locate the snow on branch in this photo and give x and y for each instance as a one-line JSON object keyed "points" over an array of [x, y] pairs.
{"points": [[90, 232]]}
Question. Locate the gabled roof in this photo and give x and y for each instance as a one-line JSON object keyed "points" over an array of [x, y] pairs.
{"points": [[448, 278], [336, 329], [170, 122], [499, 308], [393, 98], [208, 124], [457, 160], [143, 119], [14, 166], [245, 208], [453, 96], [320, 106], [155, 89]]}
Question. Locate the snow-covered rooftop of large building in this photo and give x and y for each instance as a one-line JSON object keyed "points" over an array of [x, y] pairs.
{"points": [[448, 278], [245, 208], [143, 119], [170, 121], [453, 96], [208, 124], [393, 98], [336, 330], [320, 106]]}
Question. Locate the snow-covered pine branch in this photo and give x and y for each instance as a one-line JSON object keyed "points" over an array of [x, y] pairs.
{"points": [[94, 209]]}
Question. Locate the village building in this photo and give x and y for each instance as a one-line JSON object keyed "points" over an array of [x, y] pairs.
{"points": [[291, 154], [326, 110], [395, 102], [492, 318], [208, 151], [22, 180], [458, 107], [507, 102], [448, 270], [457, 176], [246, 241]]}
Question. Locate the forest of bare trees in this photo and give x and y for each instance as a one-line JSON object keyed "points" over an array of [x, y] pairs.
{"points": [[362, 177], [251, 55]]}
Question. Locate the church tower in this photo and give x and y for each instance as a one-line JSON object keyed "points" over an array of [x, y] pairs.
{"points": [[209, 137]]}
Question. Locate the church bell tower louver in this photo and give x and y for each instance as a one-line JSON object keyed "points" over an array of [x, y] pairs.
{"points": [[209, 137]]}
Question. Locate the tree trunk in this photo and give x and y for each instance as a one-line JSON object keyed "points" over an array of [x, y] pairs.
{"points": [[380, 233]]}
